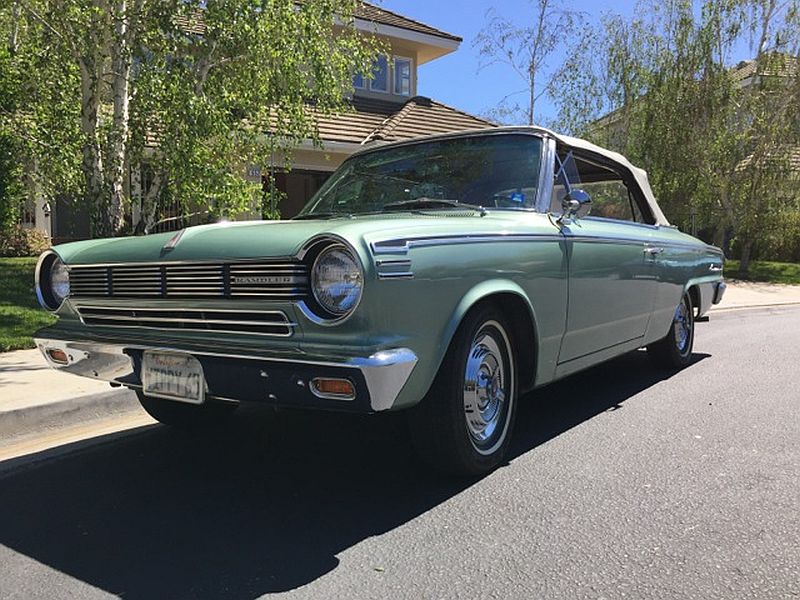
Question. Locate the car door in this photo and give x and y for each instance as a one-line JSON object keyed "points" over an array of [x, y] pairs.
{"points": [[612, 274]]}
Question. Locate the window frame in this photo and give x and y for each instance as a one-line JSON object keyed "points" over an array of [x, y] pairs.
{"points": [[635, 194], [410, 62], [388, 89]]}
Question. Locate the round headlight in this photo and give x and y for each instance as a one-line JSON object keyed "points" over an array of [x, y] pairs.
{"points": [[336, 280], [59, 280], [52, 281]]}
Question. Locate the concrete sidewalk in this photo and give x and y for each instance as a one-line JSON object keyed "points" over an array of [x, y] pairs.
{"points": [[34, 397], [751, 294]]}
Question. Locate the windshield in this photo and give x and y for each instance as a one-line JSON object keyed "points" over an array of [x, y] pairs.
{"points": [[484, 171]]}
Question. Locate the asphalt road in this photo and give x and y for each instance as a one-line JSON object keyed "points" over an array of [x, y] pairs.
{"points": [[624, 483]]}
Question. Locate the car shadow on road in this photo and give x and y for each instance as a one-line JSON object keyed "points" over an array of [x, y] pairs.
{"points": [[263, 506]]}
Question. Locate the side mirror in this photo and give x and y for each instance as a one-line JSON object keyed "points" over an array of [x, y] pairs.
{"points": [[575, 205]]}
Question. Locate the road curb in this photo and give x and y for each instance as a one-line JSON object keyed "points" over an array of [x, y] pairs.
{"points": [[751, 306], [42, 417]]}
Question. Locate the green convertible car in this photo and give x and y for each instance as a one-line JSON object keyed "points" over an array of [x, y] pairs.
{"points": [[447, 275]]}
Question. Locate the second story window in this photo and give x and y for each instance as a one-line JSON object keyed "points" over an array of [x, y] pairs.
{"points": [[358, 82], [402, 76], [380, 75]]}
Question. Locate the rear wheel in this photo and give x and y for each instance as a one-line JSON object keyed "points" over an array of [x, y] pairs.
{"points": [[463, 425], [674, 351], [183, 415]]}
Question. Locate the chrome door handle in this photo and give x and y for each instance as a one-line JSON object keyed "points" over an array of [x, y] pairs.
{"points": [[653, 251]]}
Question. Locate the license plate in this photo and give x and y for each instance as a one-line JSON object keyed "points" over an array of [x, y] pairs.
{"points": [[174, 376]]}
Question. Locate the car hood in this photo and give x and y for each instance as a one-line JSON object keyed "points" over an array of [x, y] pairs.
{"points": [[268, 239]]}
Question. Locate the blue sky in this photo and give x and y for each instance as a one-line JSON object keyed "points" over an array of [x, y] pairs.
{"points": [[454, 79]]}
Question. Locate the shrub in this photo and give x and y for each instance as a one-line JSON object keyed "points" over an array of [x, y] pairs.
{"points": [[16, 240]]}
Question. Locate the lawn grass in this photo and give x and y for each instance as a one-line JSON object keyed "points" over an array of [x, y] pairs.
{"points": [[20, 313], [771, 272]]}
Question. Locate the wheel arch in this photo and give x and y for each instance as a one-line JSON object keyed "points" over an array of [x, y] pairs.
{"points": [[516, 306]]}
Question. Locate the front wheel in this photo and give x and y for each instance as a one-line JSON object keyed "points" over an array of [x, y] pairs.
{"points": [[674, 351], [183, 415], [463, 425]]}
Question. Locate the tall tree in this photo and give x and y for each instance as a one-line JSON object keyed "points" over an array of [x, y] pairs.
{"points": [[212, 87], [663, 91], [528, 49]]}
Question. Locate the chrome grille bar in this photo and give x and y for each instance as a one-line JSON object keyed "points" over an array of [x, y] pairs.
{"points": [[273, 323]]}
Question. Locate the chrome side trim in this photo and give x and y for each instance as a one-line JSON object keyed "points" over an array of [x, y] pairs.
{"points": [[385, 372], [592, 239], [391, 268], [396, 275], [403, 245]]}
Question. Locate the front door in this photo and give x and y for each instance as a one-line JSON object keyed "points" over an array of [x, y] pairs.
{"points": [[611, 286], [612, 277]]}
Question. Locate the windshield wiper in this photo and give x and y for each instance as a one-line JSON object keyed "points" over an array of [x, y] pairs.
{"points": [[424, 202], [320, 215]]}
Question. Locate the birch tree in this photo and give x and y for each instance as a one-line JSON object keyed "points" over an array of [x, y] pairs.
{"points": [[529, 50], [206, 82]]}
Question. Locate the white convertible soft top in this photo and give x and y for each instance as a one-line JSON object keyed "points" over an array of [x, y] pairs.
{"points": [[640, 175]]}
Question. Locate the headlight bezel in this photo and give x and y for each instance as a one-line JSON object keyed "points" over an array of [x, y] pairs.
{"points": [[43, 276], [325, 315]]}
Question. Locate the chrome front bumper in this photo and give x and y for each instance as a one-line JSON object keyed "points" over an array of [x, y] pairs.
{"points": [[381, 375]]}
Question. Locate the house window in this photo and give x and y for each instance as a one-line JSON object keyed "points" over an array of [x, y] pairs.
{"points": [[358, 82], [402, 76], [380, 72]]}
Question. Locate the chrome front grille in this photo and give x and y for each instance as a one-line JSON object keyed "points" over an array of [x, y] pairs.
{"points": [[273, 322], [286, 280]]}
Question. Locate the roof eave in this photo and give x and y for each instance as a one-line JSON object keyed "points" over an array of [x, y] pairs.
{"points": [[430, 46]]}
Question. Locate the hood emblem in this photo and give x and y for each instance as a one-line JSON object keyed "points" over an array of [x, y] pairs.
{"points": [[173, 241]]}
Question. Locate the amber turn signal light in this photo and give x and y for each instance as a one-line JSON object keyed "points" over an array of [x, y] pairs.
{"points": [[334, 389], [57, 356]]}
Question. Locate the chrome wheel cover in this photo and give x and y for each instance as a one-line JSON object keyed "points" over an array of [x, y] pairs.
{"points": [[682, 327], [488, 387]]}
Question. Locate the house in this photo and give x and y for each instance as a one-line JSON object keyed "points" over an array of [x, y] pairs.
{"points": [[383, 109]]}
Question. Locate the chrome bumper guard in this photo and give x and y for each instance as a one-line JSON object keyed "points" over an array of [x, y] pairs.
{"points": [[719, 292], [383, 373]]}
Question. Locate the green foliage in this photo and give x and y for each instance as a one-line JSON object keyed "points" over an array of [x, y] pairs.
{"points": [[770, 272], [200, 91], [241, 91], [20, 315], [715, 148]]}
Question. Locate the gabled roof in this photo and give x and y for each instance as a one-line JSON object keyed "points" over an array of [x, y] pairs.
{"points": [[381, 120], [370, 12]]}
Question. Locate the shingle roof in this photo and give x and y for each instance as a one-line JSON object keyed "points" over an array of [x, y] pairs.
{"points": [[370, 12], [381, 120], [193, 22], [775, 64], [786, 158]]}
